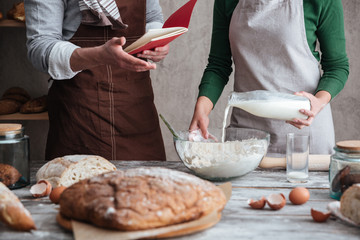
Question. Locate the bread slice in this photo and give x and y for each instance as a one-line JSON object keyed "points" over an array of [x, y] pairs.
{"points": [[141, 198], [67, 170], [12, 211], [350, 203]]}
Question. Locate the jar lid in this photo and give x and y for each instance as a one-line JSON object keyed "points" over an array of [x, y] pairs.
{"points": [[9, 127], [353, 145]]}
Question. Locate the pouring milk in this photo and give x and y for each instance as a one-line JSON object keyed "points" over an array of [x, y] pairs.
{"points": [[267, 104]]}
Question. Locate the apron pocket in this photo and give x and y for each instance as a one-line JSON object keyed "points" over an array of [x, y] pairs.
{"points": [[126, 107]]}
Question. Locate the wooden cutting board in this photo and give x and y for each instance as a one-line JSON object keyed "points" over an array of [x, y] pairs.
{"points": [[84, 231], [316, 162]]}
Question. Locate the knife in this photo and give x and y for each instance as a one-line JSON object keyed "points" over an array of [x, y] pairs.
{"points": [[316, 162]]}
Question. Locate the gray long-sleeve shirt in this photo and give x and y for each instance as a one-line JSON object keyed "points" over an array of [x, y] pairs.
{"points": [[51, 23]]}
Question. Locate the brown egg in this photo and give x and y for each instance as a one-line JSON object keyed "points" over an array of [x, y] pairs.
{"points": [[258, 204], [319, 216], [299, 195], [55, 194], [41, 189], [276, 201]]}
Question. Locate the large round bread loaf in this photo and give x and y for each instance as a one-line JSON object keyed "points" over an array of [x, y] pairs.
{"points": [[141, 198], [67, 170], [350, 203]]}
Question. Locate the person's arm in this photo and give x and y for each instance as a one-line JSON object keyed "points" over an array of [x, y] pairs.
{"points": [[44, 29], [331, 35], [218, 70]]}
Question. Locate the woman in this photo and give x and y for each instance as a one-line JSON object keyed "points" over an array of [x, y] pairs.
{"points": [[101, 99], [272, 43]]}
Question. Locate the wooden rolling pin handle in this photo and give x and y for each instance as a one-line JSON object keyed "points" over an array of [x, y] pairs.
{"points": [[316, 162]]}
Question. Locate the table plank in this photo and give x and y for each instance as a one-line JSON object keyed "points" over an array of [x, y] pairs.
{"points": [[239, 221]]}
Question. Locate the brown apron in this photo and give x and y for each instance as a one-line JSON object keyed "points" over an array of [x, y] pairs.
{"points": [[106, 110]]}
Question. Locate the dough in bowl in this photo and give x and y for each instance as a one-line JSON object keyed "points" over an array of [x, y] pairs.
{"points": [[141, 198]]}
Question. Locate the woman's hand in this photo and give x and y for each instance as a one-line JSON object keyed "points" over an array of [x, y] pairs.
{"points": [[111, 53], [200, 118], [155, 55], [317, 103]]}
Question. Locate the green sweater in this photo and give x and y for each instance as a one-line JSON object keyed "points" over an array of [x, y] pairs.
{"points": [[324, 21]]}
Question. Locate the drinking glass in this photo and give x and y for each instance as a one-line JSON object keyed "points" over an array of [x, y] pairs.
{"points": [[297, 157]]}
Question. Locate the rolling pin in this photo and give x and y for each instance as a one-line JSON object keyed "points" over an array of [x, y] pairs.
{"points": [[316, 162]]}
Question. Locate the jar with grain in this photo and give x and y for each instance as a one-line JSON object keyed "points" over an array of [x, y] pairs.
{"points": [[344, 168], [14, 156]]}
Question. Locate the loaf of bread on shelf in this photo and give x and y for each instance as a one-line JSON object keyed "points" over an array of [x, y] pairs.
{"points": [[141, 198], [350, 203], [9, 106], [36, 105], [67, 170], [1, 15], [8, 174], [12, 211], [17, 12]]}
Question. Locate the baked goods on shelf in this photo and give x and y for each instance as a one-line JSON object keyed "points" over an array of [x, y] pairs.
{"points": [[9, 106], [350, 203], [12, 100], [8, 174], [141, 198], [17, 12], [67, 170], [36, 105], [12, 211]]}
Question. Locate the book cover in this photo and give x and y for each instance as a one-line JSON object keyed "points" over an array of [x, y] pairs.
{"points": [[176, 25]]}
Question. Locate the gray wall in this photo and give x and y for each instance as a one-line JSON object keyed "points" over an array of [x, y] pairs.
{"points": [[177, 77]]}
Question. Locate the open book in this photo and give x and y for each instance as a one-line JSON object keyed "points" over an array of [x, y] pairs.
{"points": [[176, 25]]}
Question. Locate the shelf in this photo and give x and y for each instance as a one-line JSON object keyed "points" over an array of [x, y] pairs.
{"points": [[11, 23], [21, 116]]}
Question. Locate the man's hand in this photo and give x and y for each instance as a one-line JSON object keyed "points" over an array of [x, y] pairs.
{"points": [[155, 55], [111, 53]]}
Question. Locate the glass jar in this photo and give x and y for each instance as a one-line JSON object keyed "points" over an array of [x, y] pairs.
{"points": [[14, 156], [344, 168]]}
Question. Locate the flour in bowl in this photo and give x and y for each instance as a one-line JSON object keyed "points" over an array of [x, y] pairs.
{"points": [[222, 159]]}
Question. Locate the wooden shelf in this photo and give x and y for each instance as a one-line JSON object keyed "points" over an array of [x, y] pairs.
{"points": [[11, 23], [21, 116]]}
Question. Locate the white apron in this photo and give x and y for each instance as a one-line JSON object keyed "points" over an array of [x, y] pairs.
{"points": [[271, 52]]}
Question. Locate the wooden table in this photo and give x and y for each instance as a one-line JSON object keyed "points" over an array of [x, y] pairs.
{"points": [[238, 220]]}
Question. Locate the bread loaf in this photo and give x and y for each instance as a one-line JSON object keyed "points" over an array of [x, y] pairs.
{"points": [[36, 105], [141, 198], [16, 91], [67, 170], [9, 106], [8, 174], [17, 12], [350, 203], [12, 211]]}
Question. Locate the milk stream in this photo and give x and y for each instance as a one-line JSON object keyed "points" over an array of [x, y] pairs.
{"points": [[281, 110]]}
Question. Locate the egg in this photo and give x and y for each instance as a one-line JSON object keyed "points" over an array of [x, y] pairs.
{"points": [[319, 216], [299, 195], [56, 193]]}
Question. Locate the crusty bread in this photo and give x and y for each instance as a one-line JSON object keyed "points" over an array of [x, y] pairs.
{"points": [[350, 203], [16, 91], [36, 105], [17, 12], [141, 198], [12, 211], [9, 106], [67, 170], [8, 174]]}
